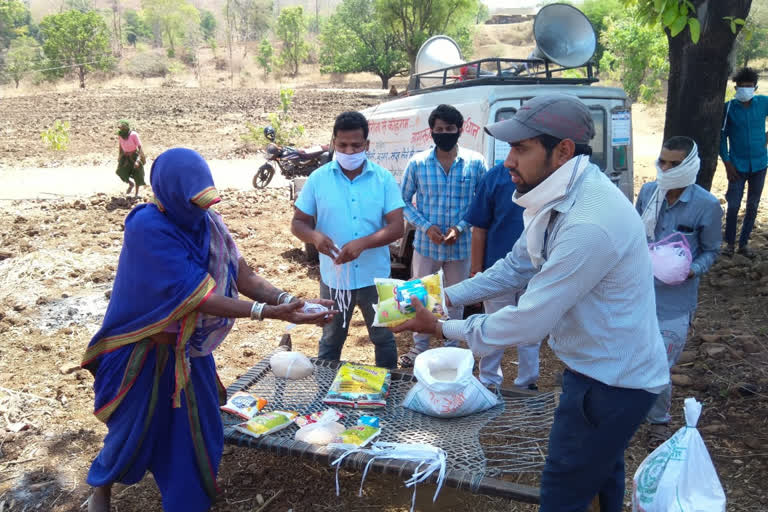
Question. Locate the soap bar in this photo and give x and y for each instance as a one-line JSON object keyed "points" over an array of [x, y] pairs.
{"points": [[370, 421], [406, 291]]}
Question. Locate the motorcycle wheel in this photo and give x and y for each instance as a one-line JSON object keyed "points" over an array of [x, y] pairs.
{"points": [[263, 176]]}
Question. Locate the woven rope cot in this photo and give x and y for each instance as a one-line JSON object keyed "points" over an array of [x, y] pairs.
{"points": [[498, 452]]}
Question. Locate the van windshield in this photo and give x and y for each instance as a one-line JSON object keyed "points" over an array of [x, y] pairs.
{"points": [[598, 143]]}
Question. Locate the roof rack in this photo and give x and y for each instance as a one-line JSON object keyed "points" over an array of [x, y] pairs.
{"points": [[495, 71]]}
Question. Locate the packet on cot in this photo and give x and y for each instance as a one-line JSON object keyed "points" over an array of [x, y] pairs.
{"points": [[359, 386], [395, 304], [244, 405], [308, 419], [267, 423], [355, 437]]}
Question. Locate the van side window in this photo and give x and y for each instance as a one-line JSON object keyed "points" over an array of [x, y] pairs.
{"points": [[598, 143]]}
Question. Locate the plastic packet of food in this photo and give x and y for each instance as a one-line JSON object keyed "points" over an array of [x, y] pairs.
{"points": [[319, 433], [313, 307], [395, 298], [355, 437], [245, 405], [266, 423], [291, 365], [359, 386], [308, 419]]}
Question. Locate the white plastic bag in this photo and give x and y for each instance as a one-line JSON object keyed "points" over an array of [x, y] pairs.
{"points": [[446, 387], [679, 475], [319, 433], [671, 259], [291, 365]]}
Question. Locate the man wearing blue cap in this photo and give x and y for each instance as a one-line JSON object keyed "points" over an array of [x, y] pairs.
{"points": [[586, 271]]}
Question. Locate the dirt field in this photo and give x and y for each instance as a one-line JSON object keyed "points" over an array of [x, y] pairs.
{"points": [[59, 258]]}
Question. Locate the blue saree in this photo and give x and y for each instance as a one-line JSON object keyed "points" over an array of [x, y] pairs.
{"points": [[161, 401]]}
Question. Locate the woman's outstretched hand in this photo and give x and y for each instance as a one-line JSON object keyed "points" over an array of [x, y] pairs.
{"points": [[293, 313]]}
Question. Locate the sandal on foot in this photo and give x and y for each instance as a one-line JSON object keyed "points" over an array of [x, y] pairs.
{"points": [[406, 360], [746, 251]]}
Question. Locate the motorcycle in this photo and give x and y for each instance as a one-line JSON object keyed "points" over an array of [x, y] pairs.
{"points": [[291, 161]]}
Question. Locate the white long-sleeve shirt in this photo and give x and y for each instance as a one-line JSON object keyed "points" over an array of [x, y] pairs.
{"points": [[593, 295]]}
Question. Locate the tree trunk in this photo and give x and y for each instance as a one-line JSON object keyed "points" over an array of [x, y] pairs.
{"points": [[17, 82], [81, 74], [698, 75], [384, 81]]}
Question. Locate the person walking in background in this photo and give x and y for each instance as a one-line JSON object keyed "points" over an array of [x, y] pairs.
{"points": [[675, 204], [131, 158], [497, 223], [743, 149], [359, 212], [444, 180]]}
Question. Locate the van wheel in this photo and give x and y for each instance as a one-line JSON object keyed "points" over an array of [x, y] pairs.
{"points": [[310, 252]]}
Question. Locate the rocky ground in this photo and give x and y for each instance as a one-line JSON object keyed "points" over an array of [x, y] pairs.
{"points": [[58, 259]]}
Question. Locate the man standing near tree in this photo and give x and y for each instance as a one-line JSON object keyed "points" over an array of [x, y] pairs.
{"points": [[743, 150], [444, 180], [675, 205]]}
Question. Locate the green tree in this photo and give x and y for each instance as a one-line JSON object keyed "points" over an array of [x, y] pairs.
{"points": [[171, 17], [356, 39], [598, 12], [79, 5], [701, 35], [752, 41], [417, 20], [635, 54], [135, 28], [291, 30], [15, 21], [75, 40], [265, 56], [23, 56], [208, 25]]}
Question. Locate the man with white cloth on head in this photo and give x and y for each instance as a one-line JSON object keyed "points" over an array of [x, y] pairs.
{"points": [[674, 207], [584, 264]]}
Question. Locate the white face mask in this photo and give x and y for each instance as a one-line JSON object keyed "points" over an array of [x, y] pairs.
{"points": [[350, 162], [744, 94]]}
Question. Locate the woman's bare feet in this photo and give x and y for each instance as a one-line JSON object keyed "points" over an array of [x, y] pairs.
{"points": [[99, 500], [137, 191], [130, 187]]}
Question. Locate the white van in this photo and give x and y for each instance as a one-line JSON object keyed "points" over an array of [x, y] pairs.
{"points": [[399, 128]]}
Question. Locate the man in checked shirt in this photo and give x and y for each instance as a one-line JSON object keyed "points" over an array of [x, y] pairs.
{"points": [[444, 180]]}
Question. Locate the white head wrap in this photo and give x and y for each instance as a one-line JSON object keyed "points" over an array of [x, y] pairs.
{"points": [[677, 177]]}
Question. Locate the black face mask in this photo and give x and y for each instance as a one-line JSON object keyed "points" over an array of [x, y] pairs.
{"points": [[446, 141]]}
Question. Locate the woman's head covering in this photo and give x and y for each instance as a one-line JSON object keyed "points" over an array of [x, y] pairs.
{"points": [[123, 128], [183, 187]]}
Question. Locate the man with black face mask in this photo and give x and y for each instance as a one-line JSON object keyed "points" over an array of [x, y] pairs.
{"points": [[444, 180]]}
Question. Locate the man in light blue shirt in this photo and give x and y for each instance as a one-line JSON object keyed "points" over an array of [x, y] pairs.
{"points": [[351, 209], [695, 214], [746, 158], [444, 181], [584, 264]]}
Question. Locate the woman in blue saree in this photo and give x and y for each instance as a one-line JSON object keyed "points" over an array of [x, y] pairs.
{"points": [[175, 298]]}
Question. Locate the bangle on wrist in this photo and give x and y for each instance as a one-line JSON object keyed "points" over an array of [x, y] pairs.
{"points": [[257, 311], [284, 298]]}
